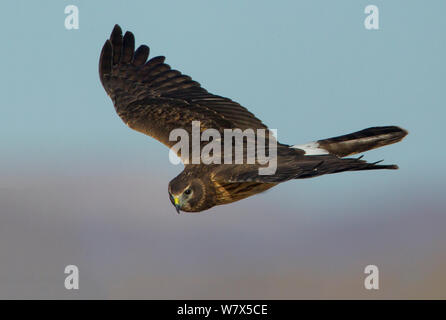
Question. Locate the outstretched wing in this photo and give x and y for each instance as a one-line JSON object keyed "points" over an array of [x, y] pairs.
{"points": [[154, 99]]}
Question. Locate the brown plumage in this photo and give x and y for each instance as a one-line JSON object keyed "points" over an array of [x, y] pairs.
{"points": [[153, 99]]}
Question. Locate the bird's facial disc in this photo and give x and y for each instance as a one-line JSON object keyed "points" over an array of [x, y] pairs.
{"points": [[180, 200]]}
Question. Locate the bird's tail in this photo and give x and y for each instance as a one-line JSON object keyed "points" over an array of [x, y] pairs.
{"points": [[363, 140], [356, 142], [327, 155]]}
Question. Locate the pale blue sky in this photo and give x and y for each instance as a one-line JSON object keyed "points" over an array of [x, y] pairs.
{"points": [[79, 187]]}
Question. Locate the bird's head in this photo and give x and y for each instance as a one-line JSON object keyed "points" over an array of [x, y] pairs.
{"points": [[188, 194]]}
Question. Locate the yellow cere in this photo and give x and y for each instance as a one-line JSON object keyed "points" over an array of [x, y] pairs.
{"points": [[175, 199]]}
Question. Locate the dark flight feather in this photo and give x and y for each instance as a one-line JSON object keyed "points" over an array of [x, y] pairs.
{"points": [[141, 55]]}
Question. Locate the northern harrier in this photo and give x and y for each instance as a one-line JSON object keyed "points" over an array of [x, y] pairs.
{"points": [[153, 99]]}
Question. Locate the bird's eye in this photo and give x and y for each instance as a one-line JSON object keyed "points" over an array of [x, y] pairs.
{"points": [[188, 192]]}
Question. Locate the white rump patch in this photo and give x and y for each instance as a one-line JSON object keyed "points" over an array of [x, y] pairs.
{"points": [[311, 149]]}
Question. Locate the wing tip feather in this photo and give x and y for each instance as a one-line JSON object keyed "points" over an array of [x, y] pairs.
{"points": [[105, 58]]}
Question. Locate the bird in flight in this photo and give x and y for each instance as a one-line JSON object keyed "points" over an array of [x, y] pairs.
{"points": [[154, 99]]}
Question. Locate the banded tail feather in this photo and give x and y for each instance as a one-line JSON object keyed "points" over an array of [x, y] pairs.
{"points": [[356, 142]]}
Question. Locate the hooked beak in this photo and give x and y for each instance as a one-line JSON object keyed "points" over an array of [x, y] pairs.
{"points": [[177, 204]]}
